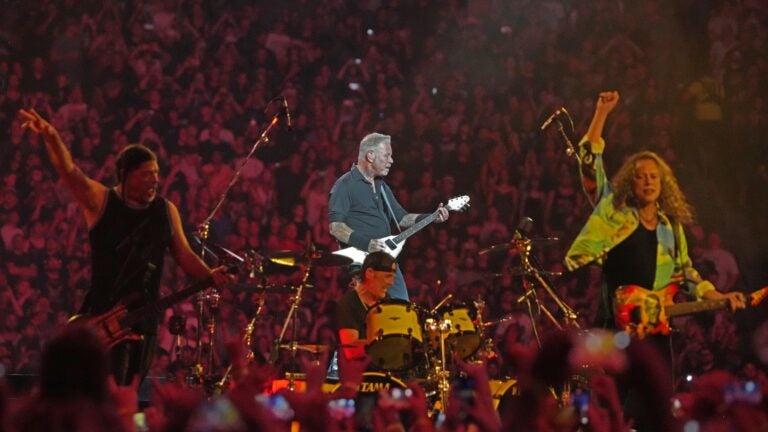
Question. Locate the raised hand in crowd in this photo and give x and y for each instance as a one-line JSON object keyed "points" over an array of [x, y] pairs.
{"points": [[126, 399], [481, 411]]}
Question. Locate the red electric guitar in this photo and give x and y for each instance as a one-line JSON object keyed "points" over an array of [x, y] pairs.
{"points": [[114, 325], [640, 311]]}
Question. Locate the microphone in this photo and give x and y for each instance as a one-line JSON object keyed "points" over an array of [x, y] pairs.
{"points": [[523, 228], [287, 113], [553, 117]]}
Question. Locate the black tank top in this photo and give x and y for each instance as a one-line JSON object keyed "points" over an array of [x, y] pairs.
{"points": [[633, 261], [127, 252]]}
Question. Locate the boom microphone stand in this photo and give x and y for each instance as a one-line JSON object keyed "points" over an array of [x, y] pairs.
{"points": [[205, 227]]}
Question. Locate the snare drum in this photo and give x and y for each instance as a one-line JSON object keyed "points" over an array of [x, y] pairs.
{"points": [[462, 338], [394, 335]]}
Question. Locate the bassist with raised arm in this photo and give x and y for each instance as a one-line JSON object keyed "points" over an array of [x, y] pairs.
{"points": [[130, 228]]}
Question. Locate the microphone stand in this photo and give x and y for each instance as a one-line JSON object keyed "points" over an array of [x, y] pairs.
{"points": [[529, 263], [570, 150], [204, 229]]}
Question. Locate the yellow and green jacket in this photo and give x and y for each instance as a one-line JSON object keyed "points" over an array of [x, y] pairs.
{"points": [[609, 225]]}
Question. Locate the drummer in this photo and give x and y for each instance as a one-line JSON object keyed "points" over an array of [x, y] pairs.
{"points": [[376, 276]]}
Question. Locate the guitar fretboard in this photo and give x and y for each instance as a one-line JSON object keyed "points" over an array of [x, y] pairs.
{"points": [[687, 308], [414, 228]]}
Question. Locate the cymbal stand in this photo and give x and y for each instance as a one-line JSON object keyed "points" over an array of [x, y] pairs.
{"points": [[529, 269], [530, 298], [210, 298], [273, 355], [249, 356], [486, 347], [441, 373]]}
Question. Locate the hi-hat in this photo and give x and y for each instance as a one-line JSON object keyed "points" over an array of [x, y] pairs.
{"points": [[543, 241], [315, 258]]}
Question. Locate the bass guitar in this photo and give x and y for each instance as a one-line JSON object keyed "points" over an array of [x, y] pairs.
{"points": [[114, 326], [641, 311], [395, 243]]}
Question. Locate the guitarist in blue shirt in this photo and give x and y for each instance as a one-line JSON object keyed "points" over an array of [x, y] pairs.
{"points": [[362, 208]]}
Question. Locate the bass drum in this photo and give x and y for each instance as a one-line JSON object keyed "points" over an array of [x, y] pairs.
{"points": [[371, 384], [394, 335]]}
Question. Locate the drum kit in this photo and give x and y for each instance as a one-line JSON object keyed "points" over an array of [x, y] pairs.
{"points": [[405, 341]]}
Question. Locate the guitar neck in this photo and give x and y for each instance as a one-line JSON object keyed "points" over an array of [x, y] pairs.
{"points": [[753, 299], [687, 308], [156, 308], [413, 229]]}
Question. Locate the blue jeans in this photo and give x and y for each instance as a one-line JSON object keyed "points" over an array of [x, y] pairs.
{"points": [[398, 290]]}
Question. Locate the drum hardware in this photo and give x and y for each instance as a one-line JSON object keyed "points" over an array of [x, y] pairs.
{"points": [[176, 326], [249, 356], [440, 375], [207, 308], [207, 300], [485, 350], [274, 353], [310, 348], [520, 272], [514, 245], [534, 278], [203, 231]]}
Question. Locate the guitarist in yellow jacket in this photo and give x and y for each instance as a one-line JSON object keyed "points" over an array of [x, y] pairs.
{"points": [[636, 228], [636, 233]]}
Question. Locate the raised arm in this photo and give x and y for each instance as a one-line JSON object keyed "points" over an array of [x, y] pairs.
{"points": [[88, 193], [593, 178], [605, 104]]}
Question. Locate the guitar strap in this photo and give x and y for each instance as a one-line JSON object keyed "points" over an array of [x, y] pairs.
{"points": [[678, 259], [389, 207]]}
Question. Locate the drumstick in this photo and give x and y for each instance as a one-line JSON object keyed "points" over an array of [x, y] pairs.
{"points": [[442, 302]]}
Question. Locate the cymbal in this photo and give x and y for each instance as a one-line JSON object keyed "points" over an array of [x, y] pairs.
{"points": [[316, 258], [257, 288], [542, 241], [311, 348]]}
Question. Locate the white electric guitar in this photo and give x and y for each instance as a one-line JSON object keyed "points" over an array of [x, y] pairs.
{"points": [[395, 243]]}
